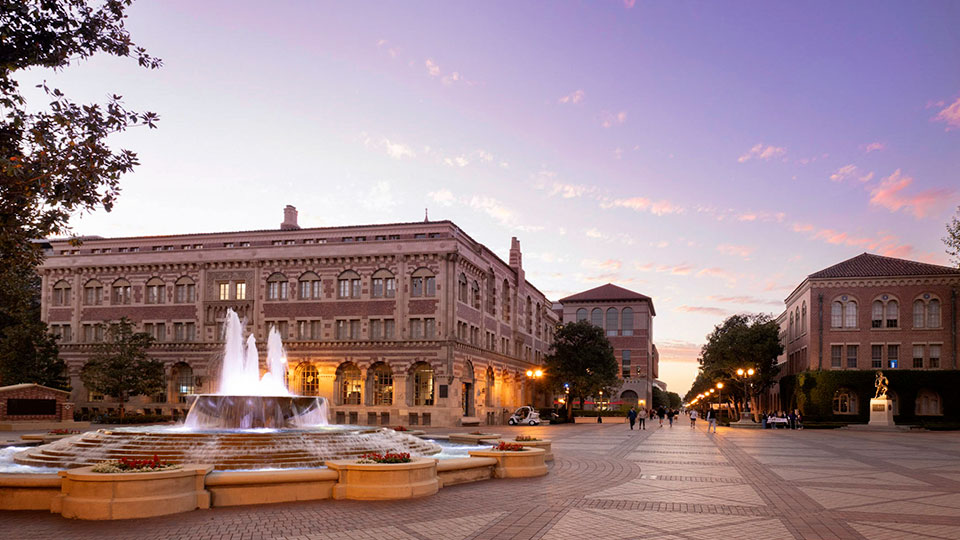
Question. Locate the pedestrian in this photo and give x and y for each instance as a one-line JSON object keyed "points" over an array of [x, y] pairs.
{"points": [[642, 417], [661, 412], [670, 414], [632, 416], [799, 418], [711, 420], [693, 419], [792, 420]]}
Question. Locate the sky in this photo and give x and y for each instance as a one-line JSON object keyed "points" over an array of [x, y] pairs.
{"points": [[709, 155]]}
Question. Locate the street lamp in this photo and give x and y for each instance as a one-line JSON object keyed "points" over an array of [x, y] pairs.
{"points": [[719, 398], [534, 375], [745, 375]]}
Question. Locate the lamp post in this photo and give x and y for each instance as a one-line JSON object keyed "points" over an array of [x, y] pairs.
{"points": [[534, 376], [746, 419], [719, 398]]}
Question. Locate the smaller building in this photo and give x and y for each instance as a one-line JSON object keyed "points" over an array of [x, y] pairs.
{"points": [[32, 406], [627, 318]]}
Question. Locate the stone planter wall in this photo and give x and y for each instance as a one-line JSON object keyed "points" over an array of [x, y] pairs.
{"points": [[235, 488], [464, 470], [28, 491], [89, 495], [470, 438], [545, 444], [387, 481], [525, 463]]}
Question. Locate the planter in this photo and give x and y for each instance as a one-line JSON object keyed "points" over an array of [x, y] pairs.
{"points": [[236, 488], [545, 444], [525, 463], [464, 470], [471, 438], [89, 495], [28, 491], [384, 481]]}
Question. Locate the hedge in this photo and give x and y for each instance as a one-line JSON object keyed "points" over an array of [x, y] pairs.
{"points": [[812, 392]]}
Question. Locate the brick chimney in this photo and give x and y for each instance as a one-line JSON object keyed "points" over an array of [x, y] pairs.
{"points": [[289, 219], [516, 258]]}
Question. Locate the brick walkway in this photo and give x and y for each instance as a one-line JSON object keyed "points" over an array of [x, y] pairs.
{"points": [[610, 483]]}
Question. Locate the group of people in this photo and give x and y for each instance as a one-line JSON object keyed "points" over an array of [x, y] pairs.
{"points": [[792, 420], [660, 413]]}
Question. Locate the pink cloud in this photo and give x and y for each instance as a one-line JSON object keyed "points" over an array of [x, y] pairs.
{"points": [[890, 195], [611, 119], [704, 310], [641, 204], [629, 3], [717, 272], [609, 264], [739, 251], [759, 151], [743, 299], [677, 270], [875, 146], [677, 350], [574, 97], [843, 173], [949, 115], [432, 68], [803, 227]]}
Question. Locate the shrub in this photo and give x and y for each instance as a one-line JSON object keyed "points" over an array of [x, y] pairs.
{"points": [[508, 447], [63, 432], [389, 457], [400, 428], [526, 438], [124, 465]]}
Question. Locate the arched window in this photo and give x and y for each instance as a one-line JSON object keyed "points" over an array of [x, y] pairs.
{"points": [[919, 320], [803, 319], [791, 326], [383, 284], [845, 402], [423, 283], [185, 291], [836, 314], [308, 380], [933, 314], [349, 384], [93, 293], [491, 295], [628, 398], [892, 314], [596, 317], [928, 403], [277, 285], [475, 294], [626, 321], [581, 314], [491, 382], [121, 292], [505, 308], [61, 293], [422, 380], [529, 315], [348, 284], [850, 314], [184, 379], [309, 286], [876, 315], [381, 384], [156, 291], [612, 321], [462, 287]]}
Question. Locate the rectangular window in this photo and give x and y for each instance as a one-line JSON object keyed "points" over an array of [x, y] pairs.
{"points": [[876, 356], [625, 364], [836, 356], [934, 356], [155, 294], [121, 295], [390, 285], [893, 352], [416, 286], [429, 328], [184, 332], [61, 296], [355, 329], [186, 293], [376, 329], [343, 288], [224, 291], [876, 318], [376, 288], [355, 288], [342, 328], [416, 329], [241, 290], [430, 286], [157, 330], [918, 356], [62, 331], [388, 329], [93, 296], [852, 351]]}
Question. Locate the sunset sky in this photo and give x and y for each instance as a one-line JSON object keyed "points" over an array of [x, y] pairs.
{"points": [[709, 155]]}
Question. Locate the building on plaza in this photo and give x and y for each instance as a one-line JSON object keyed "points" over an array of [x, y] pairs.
{"points": [[870, 313], [407, 323], [627, 319]]}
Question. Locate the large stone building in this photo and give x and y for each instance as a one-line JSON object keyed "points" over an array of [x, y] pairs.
{"points": [[627, 319], [869, 313], [409, 323]]}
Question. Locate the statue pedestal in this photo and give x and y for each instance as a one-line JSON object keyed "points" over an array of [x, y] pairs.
{"points": [[881, 412]]}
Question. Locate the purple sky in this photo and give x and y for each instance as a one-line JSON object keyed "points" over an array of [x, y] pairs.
{"points": [[708, 154]]}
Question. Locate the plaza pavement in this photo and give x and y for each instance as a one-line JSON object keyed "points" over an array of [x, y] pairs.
{"points": [[610, 483]]}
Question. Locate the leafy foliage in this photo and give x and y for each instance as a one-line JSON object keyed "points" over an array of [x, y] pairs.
{"points": [[55, 162], [28, 353], [952, 239], [120, 368], [741, 341], [582, 357]]}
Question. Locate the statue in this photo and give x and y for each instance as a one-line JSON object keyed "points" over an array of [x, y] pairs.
{"points": [[881, 384]]}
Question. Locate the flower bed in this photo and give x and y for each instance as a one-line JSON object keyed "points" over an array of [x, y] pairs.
{"points": [[399, 428], [63, 432], [526, 438], [124, 465], [532, 442], [389, 457], [505, 446]]}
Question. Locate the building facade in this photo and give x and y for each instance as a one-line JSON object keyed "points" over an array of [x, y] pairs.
{"points": [[871, 313], [627, 319], [410, 323]]}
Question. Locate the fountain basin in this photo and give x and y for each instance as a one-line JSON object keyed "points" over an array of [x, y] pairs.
{"points": [[385, 481], [215, 411]]}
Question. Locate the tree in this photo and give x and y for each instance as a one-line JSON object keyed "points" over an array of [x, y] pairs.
{"points": [[28, 353], [952, 239], [120, 368], [741, 341], [659, 398], [673, 400], [581, 357], [56, 162]]}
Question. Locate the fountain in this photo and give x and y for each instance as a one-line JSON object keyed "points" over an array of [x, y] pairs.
{"points": [[251, 422]]}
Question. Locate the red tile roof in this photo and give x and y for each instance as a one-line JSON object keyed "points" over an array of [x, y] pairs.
{"points": [[870, 265], [606, 293]]}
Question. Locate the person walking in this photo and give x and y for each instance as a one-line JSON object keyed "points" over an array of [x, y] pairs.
{"points": [[670, 414], [642, 418], [711, 420], [661, 412], [693, 419], [632, 416]]}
